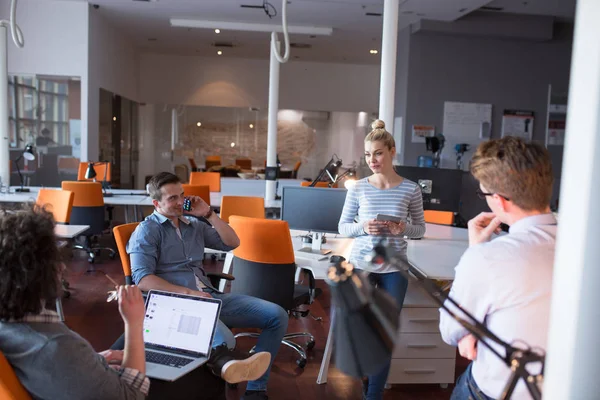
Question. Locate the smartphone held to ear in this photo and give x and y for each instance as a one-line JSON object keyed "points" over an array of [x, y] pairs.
{"points": [[391, 218], [187, 204]]}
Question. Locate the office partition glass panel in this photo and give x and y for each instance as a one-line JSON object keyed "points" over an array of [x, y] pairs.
{"points": [[309, 137], [44, 112]]}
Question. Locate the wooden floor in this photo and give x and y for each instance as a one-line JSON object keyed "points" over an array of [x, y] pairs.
{"points": [[88, 314]]}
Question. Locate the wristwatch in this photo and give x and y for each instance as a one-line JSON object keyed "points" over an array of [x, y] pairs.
{"points": [[209, 214]]}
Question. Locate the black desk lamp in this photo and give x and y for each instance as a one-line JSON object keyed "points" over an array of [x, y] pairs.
{"points": [[332, 164], [90, 173], [349, 174], [366, 324], [29, 156]]}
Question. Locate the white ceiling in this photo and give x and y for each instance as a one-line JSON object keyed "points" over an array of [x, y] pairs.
{"points": [[353, 36], [564, 9]]}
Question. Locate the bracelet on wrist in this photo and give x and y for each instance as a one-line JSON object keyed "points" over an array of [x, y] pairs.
{"points": [[209, 214]]}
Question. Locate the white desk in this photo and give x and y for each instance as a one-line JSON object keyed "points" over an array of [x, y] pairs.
{"points": [[18, 197], [435, 255], [215, 199], [439, 251], [252, 187], [69, 231]]}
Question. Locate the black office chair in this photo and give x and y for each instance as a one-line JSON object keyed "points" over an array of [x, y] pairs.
{"points": [[264, 267]]}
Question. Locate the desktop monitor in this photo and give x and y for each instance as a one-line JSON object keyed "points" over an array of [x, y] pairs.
{"points": [[441, 188], [317, 210]]}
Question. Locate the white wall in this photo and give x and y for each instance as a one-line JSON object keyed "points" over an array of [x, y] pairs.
{"points": [[234, 82], [113, 66], [55, 36]]}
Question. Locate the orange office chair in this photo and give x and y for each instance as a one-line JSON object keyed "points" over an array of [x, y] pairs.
{"points": [[264, 267], [212, 179], [295, 170], [10, 387], [439, 217], [58, 202], [88, 209], [123, 233], [202, 191], [100, 169], [243, 163], [212, 161], [319, 184], [245, 206]]}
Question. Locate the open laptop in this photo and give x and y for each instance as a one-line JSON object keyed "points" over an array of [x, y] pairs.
{"points": [[178, 333]]}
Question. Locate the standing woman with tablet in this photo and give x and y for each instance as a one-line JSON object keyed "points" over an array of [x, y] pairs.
{"points": [[394, 198]]}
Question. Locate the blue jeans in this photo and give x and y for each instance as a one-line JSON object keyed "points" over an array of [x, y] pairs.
{"points": [[467, 389], [395, 284], [241, 311]]}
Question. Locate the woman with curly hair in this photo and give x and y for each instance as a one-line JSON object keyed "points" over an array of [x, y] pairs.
{"points": [[50, 360]]}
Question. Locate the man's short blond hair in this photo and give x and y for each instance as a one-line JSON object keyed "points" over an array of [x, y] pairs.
{"points": [[516, 169]]}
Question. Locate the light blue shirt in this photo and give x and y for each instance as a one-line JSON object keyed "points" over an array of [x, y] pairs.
{"points": [[507, 284], [156, 248], [364, 201]]}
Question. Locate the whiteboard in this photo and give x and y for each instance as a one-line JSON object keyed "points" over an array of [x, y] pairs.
{"points": [[463, 123]]}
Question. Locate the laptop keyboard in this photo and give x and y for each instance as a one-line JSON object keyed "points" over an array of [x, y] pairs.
{"points": [[166, 359]]}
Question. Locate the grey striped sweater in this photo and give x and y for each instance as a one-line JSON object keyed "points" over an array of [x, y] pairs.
{"points": [[364, 202]]}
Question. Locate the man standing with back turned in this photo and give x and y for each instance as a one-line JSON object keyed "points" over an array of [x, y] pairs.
{"points": [[505, 283]]}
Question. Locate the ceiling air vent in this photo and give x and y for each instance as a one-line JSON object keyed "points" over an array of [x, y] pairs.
{"points": [[223, 44], [372, 14], [490, 8], [300, 45]]}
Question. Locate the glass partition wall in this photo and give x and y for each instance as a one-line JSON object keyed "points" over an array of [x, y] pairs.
{"points": [[201, 134], [44, 112]]}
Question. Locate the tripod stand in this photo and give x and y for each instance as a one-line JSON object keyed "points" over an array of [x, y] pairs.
{"points": [[516, 359]]}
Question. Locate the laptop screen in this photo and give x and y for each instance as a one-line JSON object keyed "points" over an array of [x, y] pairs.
{"points": [[180, 322]]}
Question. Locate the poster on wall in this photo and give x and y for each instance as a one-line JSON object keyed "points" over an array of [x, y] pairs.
{"points": [[464, 123], [556, 133], [518, 123], [420, 132]]}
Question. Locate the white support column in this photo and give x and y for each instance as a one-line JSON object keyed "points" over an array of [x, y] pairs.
{"points": [[572, 362], [271, 186], [387, 87], [4, 128]]}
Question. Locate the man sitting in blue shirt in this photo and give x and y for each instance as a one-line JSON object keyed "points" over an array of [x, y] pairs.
{"points": [[506, 283], [166, 252]]}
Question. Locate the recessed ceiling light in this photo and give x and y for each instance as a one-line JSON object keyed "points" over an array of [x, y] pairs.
{"points": [[232, 144], [251, 126], [217, 30], [373, 51], [114, 118], [219, 52], [198, 123]]}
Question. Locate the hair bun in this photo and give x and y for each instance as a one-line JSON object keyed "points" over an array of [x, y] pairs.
{"points": [[378, 124]]}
